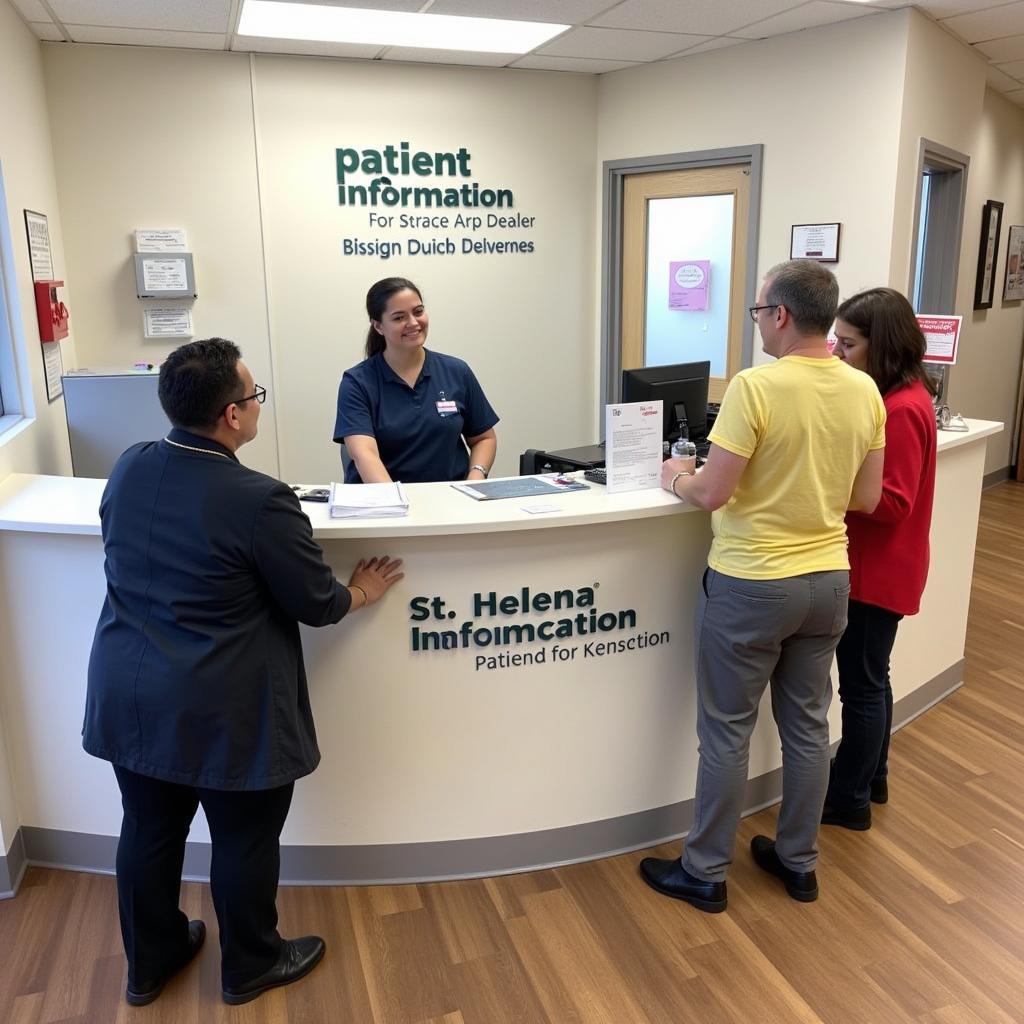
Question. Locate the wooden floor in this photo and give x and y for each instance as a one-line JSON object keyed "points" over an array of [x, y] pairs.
{"points": [[920, 920]]}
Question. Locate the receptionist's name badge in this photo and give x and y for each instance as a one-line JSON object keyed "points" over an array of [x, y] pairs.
{"points": [[446, 408]]}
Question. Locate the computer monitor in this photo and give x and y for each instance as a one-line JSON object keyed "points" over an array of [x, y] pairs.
{"points": [[683, 388]]}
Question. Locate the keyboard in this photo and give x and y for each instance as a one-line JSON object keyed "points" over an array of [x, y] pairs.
{"points": [[596, 476]]}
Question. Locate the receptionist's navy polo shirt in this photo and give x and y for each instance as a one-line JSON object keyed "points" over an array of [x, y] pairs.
{"points": [[417, 442]]}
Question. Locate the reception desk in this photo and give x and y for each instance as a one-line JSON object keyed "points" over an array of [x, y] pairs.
{"points": [[524, 697]]}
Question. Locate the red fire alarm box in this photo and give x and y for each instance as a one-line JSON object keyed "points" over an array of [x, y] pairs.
{"points": [[51, 312]]}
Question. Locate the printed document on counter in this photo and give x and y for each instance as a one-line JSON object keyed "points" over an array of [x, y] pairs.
{"points": [[368, 501], [632, 446]]}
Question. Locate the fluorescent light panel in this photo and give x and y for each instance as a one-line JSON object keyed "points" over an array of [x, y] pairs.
{"points": [[313, 22]]}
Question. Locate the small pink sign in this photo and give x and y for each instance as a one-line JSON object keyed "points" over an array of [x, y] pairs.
{"points": [[688, 282]]}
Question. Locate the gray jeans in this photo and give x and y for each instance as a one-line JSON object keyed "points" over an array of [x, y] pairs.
{"points": [[747, 633]]}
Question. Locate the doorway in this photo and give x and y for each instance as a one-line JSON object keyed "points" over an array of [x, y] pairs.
{"points": [[680, 248]]}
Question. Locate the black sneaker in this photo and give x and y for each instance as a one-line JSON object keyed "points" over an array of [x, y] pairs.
{"points": [[879, 791], [856, 818]]}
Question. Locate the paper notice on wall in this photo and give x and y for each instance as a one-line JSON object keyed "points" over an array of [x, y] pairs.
{"points": [[688, 283], [54, 368], [168, 240], [633, 435], [941, 335], [165, 275], [167, 322], [39, 250]]}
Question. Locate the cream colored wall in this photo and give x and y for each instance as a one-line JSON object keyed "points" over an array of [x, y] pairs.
{"points": [[128, 160], [824, 103], [946, 101], [148, 138], [986, 380], [28, 167], [27, 161], [524, 322]]}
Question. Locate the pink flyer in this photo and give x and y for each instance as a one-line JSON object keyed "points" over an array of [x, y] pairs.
{"points": [[688, 282]]}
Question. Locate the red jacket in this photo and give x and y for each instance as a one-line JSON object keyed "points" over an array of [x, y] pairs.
{"points": [[889, 547]]}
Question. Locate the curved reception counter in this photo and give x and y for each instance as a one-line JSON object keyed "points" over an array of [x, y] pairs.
{"points": [[524, 697]]}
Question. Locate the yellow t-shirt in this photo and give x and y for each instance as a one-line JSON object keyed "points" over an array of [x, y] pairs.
{"points": [[805, 425]]}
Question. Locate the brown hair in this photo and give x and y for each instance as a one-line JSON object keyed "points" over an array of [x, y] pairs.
{"points": [[895, 343]]}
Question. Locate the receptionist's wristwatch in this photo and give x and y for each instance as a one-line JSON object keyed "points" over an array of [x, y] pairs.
{"points": [[480, 469]]}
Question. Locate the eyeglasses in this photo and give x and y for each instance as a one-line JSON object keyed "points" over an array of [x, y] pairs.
{"points": [[754, 310], [260, 394]]}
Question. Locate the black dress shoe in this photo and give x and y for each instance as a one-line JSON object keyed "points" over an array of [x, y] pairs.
{"points": [[298, 957], [856, 818], [879, 791], [670, 878], [801, 885], [142, 995]]}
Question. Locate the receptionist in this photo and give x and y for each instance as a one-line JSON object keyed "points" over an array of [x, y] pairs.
{"points": [[408, 413]]}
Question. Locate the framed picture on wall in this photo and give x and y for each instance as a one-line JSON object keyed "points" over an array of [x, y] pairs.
{"points": [[814, 242], [988, 253], [1013, 281]]}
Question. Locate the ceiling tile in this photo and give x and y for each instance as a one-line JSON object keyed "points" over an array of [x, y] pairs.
{"points": [[809, 16], [1015, 69], [32, 10], [146, 37], [47, 31], [1007, 20], [996, 78], [306, 47], [180, 16], [567, 12], [1017, 96], [417, 55], [700, 17], [1001, 50], [949, 8], [579, 64], [616, 44], [714, 44]]}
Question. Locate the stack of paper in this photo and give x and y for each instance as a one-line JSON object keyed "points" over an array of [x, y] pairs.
{"points": [[368, 501]]}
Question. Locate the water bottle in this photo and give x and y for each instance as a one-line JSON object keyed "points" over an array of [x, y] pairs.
{"points": [[684, 449]]}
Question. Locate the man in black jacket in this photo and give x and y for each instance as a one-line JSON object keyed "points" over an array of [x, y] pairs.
{"points": [[197, 691]]}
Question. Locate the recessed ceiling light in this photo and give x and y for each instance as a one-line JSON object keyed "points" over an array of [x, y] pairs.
{"points": [[269, 18]]}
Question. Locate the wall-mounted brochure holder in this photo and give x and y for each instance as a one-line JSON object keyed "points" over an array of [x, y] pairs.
{"points": [[51, 313], [165, 275]]}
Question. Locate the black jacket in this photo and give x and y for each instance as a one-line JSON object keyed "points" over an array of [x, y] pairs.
{"points": [[196, 672]]}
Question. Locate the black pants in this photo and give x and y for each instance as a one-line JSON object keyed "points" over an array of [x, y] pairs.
{"points": [[866, 695], [245, 829]]}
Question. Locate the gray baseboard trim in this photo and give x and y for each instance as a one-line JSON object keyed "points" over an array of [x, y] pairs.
{"points": [[997, 476], [13, 866], [460, 858]]}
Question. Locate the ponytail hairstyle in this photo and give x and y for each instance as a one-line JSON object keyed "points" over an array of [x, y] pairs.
{"points": [[377, 299], [896, 345]]}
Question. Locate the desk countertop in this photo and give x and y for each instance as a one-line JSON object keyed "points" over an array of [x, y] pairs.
{"points": [[70, 505]]}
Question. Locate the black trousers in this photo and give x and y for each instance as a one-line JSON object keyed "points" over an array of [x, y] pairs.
{"points": [[866, 696], [245, 829]]}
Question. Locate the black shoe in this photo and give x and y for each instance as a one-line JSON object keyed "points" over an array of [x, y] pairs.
{"points": [[856, 818], [801, 885], [879, 791], [142, 995], [670, 878], [298, 957]]}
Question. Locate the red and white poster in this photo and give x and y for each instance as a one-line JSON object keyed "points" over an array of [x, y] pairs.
{"points": [[941, 334]]}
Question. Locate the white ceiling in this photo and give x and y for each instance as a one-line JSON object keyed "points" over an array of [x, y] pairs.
{"points": [[605, 35]]}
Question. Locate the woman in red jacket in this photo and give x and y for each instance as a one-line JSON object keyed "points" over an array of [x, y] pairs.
{"points": [[878, 333]]}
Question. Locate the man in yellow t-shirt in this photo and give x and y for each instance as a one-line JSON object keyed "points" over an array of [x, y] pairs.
{"points": [[797, 443]]}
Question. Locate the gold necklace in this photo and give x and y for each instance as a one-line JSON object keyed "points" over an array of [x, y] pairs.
{"points": [[192, 448]]}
